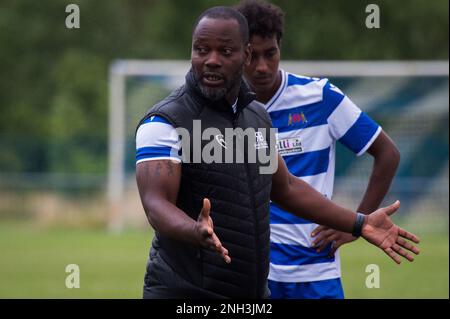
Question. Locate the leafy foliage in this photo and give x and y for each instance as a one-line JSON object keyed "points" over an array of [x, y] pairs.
{"points": [[53, 82]]}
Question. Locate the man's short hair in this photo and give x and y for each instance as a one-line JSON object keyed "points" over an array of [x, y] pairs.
{"points": [[264, 19], [226, 13]]}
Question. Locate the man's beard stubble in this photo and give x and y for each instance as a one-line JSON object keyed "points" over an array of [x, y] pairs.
{"points": [[216, 94]]}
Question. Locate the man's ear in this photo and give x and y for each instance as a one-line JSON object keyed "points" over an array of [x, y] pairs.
{"points": [[247, 54]]}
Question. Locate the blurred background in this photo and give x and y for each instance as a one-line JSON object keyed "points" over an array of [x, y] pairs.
{"points": [[59, 87]]}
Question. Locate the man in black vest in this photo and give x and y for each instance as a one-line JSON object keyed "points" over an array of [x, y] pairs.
{"points": [[192, 256]]}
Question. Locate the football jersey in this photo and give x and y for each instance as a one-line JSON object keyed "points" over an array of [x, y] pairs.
{"points": [[311, 114]]}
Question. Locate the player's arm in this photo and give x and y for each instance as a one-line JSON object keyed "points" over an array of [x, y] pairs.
{"points": [[386, 159], [158, 183], [297, 197]]}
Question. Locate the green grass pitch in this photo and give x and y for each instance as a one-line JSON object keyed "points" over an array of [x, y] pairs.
{"points": [[33, 261]]}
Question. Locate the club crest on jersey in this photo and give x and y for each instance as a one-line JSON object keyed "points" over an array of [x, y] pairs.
{"points": [[289, 146], [297, 118]]}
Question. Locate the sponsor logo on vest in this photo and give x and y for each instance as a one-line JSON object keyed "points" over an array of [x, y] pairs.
{"points": [[260, 141]]}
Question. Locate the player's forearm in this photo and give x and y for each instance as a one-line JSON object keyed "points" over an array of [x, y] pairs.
{"points": [[168, 220], [304, 201], [383, 172]]}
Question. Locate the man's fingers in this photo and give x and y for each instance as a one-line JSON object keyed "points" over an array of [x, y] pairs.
{"points": [[318, 240], [213, 244], [325, 243], [333, 250], [225, 255], [211, 239], [330, 239], [391, 209], [322, 246], [209, 242], [322, 236], [217, 243], [393, 255], [399, 250], [224, 251], [335, 246], [317, 230], [206, 208], [408, 235], [408, 245], [207, 232], [338, 244], [220, 249]]}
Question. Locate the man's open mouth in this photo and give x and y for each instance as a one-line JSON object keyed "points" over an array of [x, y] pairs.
{"points": [[212, 79]]}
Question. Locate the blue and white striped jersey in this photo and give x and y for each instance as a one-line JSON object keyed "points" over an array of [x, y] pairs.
{"points": [[311, 115]]}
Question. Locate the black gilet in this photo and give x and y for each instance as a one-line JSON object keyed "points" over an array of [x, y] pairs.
{"points": [[239, 195]]}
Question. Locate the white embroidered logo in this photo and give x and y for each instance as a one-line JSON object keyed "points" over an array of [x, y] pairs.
{"points": [[219, 138], [260, 141]]}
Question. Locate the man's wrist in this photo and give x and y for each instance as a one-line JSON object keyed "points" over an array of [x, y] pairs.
{"points": [[358, 225]]}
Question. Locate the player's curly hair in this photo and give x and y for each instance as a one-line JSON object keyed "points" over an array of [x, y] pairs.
{"points": [[264, 19]]}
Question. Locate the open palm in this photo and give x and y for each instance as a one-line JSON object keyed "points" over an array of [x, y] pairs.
{"points": [[380, 231]]}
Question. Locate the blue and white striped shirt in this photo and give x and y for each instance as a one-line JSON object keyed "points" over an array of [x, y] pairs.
{"points": [[311, 115]]}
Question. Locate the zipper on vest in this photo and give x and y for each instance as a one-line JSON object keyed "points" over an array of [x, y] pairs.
{"points": [[235, 118], [255, 216]]}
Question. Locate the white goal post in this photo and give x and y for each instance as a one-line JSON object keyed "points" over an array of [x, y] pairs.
{"points": [[120, 70]]}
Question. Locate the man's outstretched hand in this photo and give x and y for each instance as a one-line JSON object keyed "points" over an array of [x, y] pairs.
{"points": [[205, 229], [380, 231]]}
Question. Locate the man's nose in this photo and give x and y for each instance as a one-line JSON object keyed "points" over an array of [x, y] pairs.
{"points": [[213, 60], [261, 66]]}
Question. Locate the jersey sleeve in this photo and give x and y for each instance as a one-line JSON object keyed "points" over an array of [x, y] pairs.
{"points": [[348, 124], [157, 139]]}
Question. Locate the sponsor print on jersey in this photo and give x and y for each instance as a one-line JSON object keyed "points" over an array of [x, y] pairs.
{"points": [[289, 146]]}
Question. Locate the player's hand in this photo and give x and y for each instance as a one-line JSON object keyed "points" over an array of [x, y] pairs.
{"points": [[380, 231], [327, 235], [205, 229]]}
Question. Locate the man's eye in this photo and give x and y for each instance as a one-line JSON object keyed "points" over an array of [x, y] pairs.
{"points": [[254, 57], [201, 50], [227, 51], [270, 54]]}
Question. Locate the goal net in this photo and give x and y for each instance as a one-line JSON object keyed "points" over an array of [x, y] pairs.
{"points": [[408, 99]]}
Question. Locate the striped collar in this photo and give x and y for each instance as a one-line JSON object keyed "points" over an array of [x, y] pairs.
{"points": [[279, 92]]}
